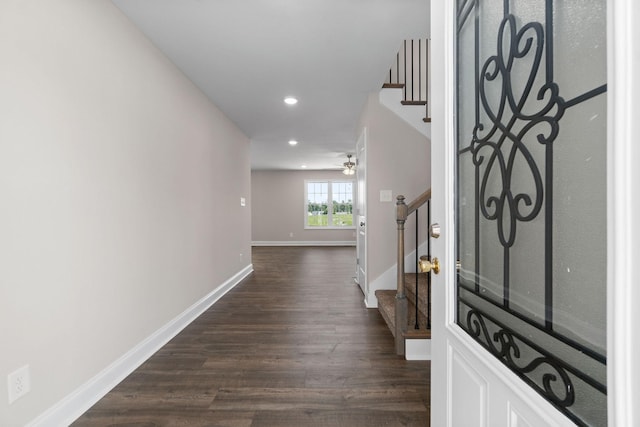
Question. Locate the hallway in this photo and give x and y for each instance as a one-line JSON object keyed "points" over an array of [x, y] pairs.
{"points": [[291, 345]]}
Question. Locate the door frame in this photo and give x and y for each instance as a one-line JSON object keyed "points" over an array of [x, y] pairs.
{"points": [[623, 339], [623, 229], [361, 191]]}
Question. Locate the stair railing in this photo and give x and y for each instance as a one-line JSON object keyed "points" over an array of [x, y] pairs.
{"points": [[402, 213], [410, 73]]}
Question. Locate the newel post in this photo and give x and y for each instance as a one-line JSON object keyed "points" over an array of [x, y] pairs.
{"points": [[401, 300]]}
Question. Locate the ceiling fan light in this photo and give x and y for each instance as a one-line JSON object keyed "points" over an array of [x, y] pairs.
{"points": [[349, 166]]}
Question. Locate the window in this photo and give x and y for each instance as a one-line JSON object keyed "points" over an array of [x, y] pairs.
{"points": [[328, 204]]}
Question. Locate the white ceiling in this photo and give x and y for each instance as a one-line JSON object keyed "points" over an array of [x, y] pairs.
{"points": [[247, 55]]}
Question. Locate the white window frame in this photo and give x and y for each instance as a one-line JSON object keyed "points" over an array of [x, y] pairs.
{"points": [[329, 183]]}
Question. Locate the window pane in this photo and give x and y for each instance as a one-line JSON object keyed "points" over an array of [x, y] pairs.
{"points": [[317, 204], [342, 197]]}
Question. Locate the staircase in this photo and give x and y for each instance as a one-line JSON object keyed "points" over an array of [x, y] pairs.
{"points": [[407, 309], [406, 87]]}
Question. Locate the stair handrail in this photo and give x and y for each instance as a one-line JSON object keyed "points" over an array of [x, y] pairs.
{"points": [[418, 201], [402, 213]]}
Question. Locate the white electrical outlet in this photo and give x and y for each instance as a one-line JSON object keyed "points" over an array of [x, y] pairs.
{"points": [[19, 383]]}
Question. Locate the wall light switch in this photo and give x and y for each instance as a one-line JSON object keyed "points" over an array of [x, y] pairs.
{"points": [[243, 201], [385, 195]]}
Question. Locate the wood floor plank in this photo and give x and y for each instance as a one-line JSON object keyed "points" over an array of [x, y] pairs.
{"points": [[337, 418], [326, 398], [291, 345]]}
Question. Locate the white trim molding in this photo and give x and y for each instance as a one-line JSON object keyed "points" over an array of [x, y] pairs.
{"points": [[84, 397], [417, 349], [623, 232], [304, 243]]}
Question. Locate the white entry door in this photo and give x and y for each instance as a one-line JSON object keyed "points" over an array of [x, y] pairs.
{"points": [[361, 216], [533, 108]]}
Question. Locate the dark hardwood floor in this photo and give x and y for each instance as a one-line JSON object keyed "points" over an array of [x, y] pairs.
{"points": [[292, 345]]}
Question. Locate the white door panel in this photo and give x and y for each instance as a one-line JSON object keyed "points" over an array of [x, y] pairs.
{"points": [[483, 393], [468, 385]]}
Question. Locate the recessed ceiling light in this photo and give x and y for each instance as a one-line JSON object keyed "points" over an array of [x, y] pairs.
{"points": [[303, 166], [290, 100], [293, 142]]}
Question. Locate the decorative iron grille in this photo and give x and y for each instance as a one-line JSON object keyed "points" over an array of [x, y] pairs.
{"points": [[506, 182]]}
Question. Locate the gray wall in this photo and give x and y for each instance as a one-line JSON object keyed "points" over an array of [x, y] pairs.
{"points": [[398, 159], [277, 208], [120, 186]]}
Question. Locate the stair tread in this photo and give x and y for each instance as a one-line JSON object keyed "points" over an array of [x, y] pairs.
{"points": [[393, 86], [413, 334], [387, 308], [413, 102]]}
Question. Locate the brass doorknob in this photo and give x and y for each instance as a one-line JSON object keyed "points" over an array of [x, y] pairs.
{"points": [[425, 265]]}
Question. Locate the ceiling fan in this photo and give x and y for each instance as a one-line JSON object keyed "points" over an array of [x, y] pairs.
{"points": [[349, 166]]}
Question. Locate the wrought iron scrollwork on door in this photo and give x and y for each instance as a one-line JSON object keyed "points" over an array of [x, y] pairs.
{"points": [[517, 121], [547, 107]]}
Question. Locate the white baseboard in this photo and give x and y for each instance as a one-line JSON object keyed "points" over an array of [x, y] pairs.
{"points": [[371, 302], [84, 397], [305, 243], [415, 349]]}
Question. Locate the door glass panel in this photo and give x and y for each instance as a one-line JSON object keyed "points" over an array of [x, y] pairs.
{"points": [[531, 193]]}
